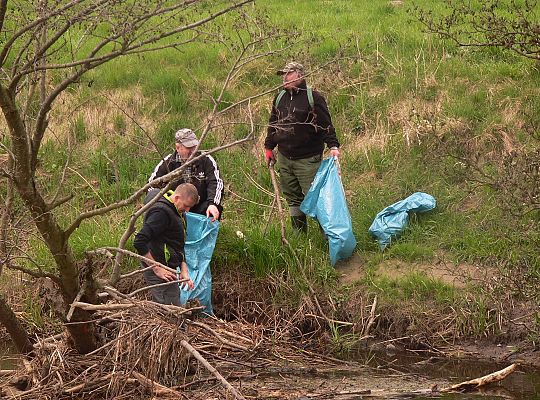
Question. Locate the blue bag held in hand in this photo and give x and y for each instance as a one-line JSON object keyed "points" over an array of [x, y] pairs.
{"points": [[392, 220], [326, 202], [200, 242]]}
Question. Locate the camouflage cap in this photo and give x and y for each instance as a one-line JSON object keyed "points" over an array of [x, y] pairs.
{"points": [[291, 67], [186, 137]]}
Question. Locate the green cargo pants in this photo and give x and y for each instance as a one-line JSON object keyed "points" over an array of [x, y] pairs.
{"points": [[296, 177]]}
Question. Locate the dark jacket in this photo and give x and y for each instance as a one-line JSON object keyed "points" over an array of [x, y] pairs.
{"points": [[298, 130], [163, 226], [203, 173]]}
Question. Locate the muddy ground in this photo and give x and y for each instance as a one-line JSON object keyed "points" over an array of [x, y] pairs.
{"points": [[515, 344]]}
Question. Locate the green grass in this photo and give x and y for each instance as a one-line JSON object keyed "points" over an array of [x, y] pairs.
{"points": [[398, 67], [416, 286]]}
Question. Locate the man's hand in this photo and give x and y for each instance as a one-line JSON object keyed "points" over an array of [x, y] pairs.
{"points": [[213, 211], [334, 152], [185, 275], [162, 273], [269, 156]]}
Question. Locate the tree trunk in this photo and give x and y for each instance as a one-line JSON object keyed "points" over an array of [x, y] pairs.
{"points": [[82, 333], [54, 237], [15, 329]]}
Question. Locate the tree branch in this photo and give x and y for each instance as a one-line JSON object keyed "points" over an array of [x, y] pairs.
{"points": [[36, 274], [33, 24]]}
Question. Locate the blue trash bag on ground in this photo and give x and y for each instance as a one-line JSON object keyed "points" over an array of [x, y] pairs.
{"points": [[326, 202], [199, 247], [392, 220]]}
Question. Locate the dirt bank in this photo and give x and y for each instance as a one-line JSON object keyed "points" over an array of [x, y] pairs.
{"points": [[501, 331]]}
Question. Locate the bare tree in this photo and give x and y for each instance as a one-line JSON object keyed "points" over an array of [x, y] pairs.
{"points": [[508, 24], [47, 47]]}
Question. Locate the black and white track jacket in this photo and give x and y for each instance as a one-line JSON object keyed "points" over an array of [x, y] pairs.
{"points": [[203, 173]]}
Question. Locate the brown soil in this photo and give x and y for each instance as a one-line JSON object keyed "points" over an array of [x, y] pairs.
{"points": [[499, 353], [457, 275]]}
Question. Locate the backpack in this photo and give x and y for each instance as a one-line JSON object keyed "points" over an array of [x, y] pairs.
{"points": [[309, 97]]}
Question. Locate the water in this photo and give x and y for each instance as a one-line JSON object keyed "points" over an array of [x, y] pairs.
{"points": [[8, 356], [401, 372], [522, 384]]}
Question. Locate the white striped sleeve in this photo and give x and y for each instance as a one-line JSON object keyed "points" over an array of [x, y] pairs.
{"points": [[154, 173], [219, 182]]}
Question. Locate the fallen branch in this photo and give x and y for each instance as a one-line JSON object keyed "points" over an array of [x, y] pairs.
{"points": [[474, 384], [212, 370], [340, 393], [218, 336], [372, 318], [85, 385], [77, 298], [49, 339], [156, 285], [278, 201], [154, 386], [102, 307]]}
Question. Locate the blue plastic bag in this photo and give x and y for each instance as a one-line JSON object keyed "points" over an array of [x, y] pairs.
{"points": [[392, 220], [326, 202], [199, 247]]}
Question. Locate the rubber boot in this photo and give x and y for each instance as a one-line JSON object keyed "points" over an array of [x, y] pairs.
{"points": [[299, 223]]}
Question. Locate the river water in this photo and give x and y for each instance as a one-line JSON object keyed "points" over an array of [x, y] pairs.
{"points": [[402, 372], [522, 384]]}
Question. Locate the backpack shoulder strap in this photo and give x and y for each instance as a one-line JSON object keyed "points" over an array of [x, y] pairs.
{"points": [[310, 98], [309, 91], [278, 98]]}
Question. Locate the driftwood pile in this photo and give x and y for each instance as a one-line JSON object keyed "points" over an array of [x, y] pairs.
{"points": [[150, 350], [147, 348]]}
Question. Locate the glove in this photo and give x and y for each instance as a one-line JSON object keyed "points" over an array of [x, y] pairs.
{"points": [[269, 156]]}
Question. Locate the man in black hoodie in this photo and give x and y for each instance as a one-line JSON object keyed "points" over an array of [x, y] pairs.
{"points": [[162, 239], [299, 127]]}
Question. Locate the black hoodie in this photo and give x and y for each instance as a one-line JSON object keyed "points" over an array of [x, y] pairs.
{"points": [[298, 130], [163, 227]]}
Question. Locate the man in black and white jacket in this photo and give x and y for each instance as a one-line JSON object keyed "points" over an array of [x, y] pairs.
{"points": [[203, 173]]}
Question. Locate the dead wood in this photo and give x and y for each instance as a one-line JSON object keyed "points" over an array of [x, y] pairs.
{"points": [[220, 338], [474, 384], [372, 318], [154, 386], [212, 370], [278, 202]]}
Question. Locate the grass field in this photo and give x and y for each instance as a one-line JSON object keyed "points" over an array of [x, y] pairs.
{"points": [[404, 104]]}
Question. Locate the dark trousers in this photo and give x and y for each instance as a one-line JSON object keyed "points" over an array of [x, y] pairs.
{"points": [[168, 294]]}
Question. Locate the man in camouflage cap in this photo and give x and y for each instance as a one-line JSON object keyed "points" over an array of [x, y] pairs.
{"points": [[300, 125]]}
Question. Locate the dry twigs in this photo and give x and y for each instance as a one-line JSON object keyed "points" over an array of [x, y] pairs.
{"points": [[278, 202], [149, 349]]}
